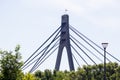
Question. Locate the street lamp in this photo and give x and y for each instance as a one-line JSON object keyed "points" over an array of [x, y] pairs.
{"points": [[104, 46]]}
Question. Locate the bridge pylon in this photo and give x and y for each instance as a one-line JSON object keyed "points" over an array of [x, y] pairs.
{"points": [[64, 42], [60, 39]]}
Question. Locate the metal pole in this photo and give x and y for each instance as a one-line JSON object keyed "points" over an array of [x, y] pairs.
{"points": [[104, 63]]}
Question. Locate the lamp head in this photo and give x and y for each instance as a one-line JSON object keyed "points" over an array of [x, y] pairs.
{"points": [[104, 45]]}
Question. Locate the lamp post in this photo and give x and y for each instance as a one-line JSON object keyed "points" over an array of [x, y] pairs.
{"points": [[104, 46]]}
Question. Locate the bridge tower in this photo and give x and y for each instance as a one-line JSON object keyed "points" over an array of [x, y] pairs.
{"points": [[59, 40], [64, 42]]}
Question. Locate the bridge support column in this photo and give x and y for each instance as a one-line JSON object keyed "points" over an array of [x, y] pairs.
{"points": [[64, 42]]}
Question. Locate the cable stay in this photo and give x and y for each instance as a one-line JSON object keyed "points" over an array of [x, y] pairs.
{"points": [[36, 56], [49, 50], [45, 58], [30, 61], [44, 52], [76, 60], [42, 45], [84, 52], [79, 55], [86, 48], [29, 64], [94, 43], [41, 58], [38, 59], [34, 62], [33, 58], [33, 55], [89, 43]]}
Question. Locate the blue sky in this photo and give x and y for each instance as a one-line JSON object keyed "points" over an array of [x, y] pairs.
{"points": [[30, 22]]}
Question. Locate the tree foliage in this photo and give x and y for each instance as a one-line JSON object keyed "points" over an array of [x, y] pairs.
{"points": [[10, 64], [29, 76], [10, 69], [90, 72]]}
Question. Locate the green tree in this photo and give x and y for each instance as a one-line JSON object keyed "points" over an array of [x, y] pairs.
{"points": [[48, 74], [87, 72], [81, 74], [29, 76], [39, 74], [59, 75], [72, 75], [10, 65]]}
